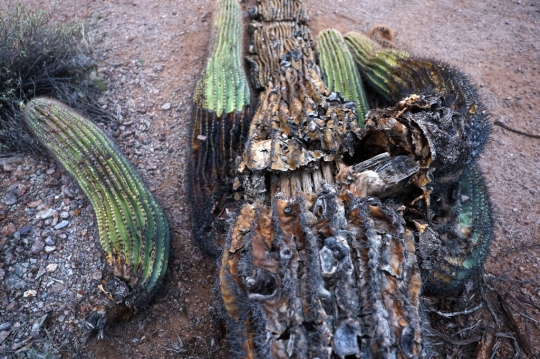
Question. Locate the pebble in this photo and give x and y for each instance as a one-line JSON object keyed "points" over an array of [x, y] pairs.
{"points": [[44, 214], [12, 307], [37, 246], [25, 231], [9, 198], [50, 249], [62, 224], [50, 241], [51, 267], [96, 275], [166, 106], [5, 326], [64, 215], [8, 230], [30, 293]]}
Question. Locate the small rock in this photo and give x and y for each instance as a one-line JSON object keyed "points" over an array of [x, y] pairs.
{"points": [[64, 215], [3, 336], [38, 323], [9, 198], [2, 274], [34, 204], [38, 246], [13, 306], [44, 214], [25, 231], [50, 249], [62, 224], [8, 167], [50, 241], [51, 267], [96, 275], [5, 326], [8, 230], [30, 293], [166, 106], [56, 288]]}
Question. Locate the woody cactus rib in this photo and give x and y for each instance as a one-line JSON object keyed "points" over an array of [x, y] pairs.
{"points": [[133, 231], [339, 71], [221, 103]]}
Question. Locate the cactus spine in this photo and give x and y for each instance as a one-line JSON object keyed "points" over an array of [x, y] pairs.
{"points": [[339, 72], [221, 103], [133, 231]]}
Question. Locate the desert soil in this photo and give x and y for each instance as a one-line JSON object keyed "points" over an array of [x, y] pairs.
{"points": [[151, 53]]}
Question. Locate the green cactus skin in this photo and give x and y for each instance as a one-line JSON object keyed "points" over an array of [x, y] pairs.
{"points": [[221, 121], [467, 236], [339, 71], [133, 230]]}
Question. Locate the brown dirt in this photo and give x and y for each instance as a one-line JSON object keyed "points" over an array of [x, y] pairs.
{"points": [[152, 52]]}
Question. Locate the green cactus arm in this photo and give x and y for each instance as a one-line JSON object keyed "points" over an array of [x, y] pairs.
{"points": [[132, 227], [221, 120], [339, 72]]}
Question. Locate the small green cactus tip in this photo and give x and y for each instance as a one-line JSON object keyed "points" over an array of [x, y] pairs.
{"points": [[339, 71]]}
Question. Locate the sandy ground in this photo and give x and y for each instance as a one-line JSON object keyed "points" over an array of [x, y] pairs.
{"points": [[151, 54]]}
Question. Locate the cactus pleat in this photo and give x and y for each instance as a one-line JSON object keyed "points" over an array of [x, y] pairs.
{"points": [[339, 71], [222, 117], [132, 228]]}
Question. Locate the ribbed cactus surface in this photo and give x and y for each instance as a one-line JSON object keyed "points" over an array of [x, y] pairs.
{"points": [[221, 103], [339, 71], [133, 230]]}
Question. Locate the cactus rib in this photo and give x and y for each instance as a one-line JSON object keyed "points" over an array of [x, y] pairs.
{"points": [[132, 228], [338, 70]]}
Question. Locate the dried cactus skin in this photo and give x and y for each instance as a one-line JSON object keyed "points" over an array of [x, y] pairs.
{"points": [[133, 230], [222, 116], [324, 279], [397, 74], [339, 71]]}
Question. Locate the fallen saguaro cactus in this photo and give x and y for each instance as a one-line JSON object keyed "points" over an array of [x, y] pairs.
{"points": [[133, 230], [334, 225]]}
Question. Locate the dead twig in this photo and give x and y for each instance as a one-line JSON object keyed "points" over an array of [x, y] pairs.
{"points": [[453, 314], [499, 123], [522, 340]]}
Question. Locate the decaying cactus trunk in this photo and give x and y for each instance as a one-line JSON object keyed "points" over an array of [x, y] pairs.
{"points": [[310, 269], [332, 228], [133, 230]]}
